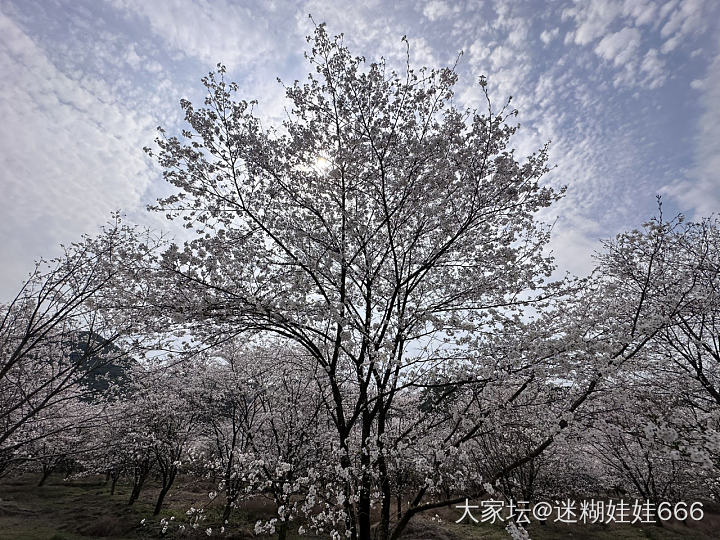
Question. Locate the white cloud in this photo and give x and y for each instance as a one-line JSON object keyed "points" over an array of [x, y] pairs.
{"points": [[548, 35], [667, 7], [700, 191], [132, 57], [683, 18], [654, 69], [218, 31], [619, 32], [436, 9], [479, 50], [594, 19], [687, 19], [619, 46], [642, 12], [574, 242], [69, 158], [563, 98]]}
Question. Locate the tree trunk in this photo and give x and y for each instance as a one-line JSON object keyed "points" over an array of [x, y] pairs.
{"points": [[160, 499], [349, 507], [135, 493], [364, 508], [167, 483], [384, 528], [138, 481], [227, 510], [114, 477], [46, 472], [282, 530], [365, 483]]}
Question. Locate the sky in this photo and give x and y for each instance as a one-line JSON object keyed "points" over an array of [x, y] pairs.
{"points": [[626, 91]]}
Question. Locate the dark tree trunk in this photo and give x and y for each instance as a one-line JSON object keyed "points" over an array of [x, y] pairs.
{"points": [[384, 528], [227, 510], [135, 493], [283, 530], [365, 483], [141, 474], [46, 472], [167, 482], [114, 478], [364, 508], [160, 499], [350, 519]]}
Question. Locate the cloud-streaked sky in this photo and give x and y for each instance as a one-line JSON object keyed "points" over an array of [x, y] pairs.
{"points": [[628, 91]]}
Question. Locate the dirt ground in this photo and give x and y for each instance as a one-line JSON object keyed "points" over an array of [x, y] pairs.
{"points": [[83, 509]]}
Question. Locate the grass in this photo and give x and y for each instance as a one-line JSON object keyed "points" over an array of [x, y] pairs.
{"points": [[83, 509], [64, 511], [80, 509]]}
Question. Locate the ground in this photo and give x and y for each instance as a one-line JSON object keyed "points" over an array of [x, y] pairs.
{"points": [[82, 509]]}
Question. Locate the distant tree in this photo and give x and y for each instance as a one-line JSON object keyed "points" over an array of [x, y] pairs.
{"points": [[679, 260], [231, 403], [692, 345], [108, 368], [166, 405], [64, 329], [265, 428], [58, 440], [641, 439]]}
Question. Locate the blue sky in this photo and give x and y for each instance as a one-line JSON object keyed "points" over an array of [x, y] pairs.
{"points": [[628, 91]]}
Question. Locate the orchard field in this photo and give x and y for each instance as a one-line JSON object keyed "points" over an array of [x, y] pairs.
{"points": [[360, 329], [82, 509]]}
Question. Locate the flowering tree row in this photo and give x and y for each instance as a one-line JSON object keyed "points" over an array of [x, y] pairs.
{"points": [[364, 325]]}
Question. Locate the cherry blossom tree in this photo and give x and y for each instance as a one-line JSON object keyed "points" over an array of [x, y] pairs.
{"points": [[391, 237], [376, 229], [264, 433], [640, 440], [683, 356], [167, 406], [75, 316], [692, 346], [231, 404], [57, 438]]}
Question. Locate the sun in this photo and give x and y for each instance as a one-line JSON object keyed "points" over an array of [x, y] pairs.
{"points": [[322, 164]]}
